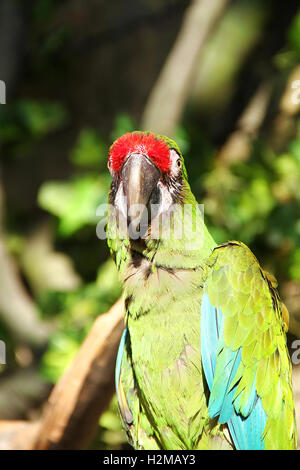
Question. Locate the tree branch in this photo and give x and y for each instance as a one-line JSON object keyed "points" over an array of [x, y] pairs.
{"points": [[86, 388], [83, 393], [21, 391], [238, 146], [168, 97], [17, 309]]}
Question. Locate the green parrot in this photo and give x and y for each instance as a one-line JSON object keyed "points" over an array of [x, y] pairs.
{"points": [[203, 361]]}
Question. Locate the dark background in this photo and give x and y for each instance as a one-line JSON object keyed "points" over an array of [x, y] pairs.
{"points": [[79, 73]]}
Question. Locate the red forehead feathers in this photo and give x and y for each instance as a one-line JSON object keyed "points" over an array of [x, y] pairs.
{"points": [[155, 148]]}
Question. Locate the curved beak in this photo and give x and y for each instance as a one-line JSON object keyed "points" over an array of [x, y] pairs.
{"points": [[139, 177]]}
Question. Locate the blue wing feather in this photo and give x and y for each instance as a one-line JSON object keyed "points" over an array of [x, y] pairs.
{"points": [[211, 321], [119, 360], [220, 365], [247, 432]]}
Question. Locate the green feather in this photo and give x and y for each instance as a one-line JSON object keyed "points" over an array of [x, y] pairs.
{"points": [[163, 389]]}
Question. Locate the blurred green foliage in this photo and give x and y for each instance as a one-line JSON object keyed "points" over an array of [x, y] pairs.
{"points": [[294, 36], [249, 201], [74, 202], [75, 313], [256, 201], [28, 120]]}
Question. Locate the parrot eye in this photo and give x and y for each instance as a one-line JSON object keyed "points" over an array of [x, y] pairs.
{"points": [[176, 162]]}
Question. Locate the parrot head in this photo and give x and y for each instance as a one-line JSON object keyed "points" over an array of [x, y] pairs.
{"points": [[147, 171]]}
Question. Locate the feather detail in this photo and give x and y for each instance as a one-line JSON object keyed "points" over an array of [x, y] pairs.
{"points": [[244, 354]]}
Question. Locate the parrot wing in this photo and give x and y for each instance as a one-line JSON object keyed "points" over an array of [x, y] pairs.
{"points": [[244, 353]]}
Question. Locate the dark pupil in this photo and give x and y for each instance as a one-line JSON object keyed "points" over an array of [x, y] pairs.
{"points": [[178, 163]]}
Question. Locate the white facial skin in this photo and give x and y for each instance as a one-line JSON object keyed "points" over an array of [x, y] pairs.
{"points": [[175, 163], [120, 201]]}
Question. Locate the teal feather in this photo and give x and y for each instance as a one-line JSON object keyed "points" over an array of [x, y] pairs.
{"points": [[220, 366], [119, 360], [247, 433]]}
